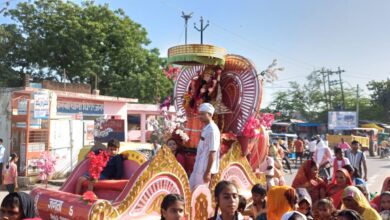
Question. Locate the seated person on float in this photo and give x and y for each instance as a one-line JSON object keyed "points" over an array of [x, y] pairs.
{"points": [[112, 171]]}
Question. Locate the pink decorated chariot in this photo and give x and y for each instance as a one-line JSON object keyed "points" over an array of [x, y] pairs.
{"points": [[231, 83]]}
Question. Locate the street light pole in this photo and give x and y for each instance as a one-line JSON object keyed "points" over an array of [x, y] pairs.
{"points": [[201, 29], [186, 17]]}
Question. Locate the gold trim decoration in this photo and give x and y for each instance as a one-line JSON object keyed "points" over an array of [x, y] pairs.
{"points": [[197, 53], [233, 156], [201, 207], [103, 209], [136, 156], [156, 204], [197, 49], [163, 163]]}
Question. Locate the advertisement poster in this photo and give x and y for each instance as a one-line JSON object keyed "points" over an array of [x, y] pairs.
{"points": [[41, 105], [80, 108], [342, 120], [109, 129]]}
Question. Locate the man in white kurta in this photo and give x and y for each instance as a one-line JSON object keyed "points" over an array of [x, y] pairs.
{"points": [[208, 149]]}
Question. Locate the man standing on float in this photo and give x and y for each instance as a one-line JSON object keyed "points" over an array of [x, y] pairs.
{"points": [[208, 150]]}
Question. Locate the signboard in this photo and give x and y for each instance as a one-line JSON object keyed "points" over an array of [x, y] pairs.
{"points": [[342, 120], [80, 107], [110, 129], [41, 105]]}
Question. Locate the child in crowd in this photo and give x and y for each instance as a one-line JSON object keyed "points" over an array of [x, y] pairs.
{"points": [[10, 174], [227, 200], [324, 210], [259, 208], [293, 215], [172, 207], [18, 206], [339, 161], [304, 203], [241, 204], [112, 171], [385, 205]]}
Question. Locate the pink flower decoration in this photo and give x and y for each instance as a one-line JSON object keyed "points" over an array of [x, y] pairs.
{"points": [[46, 165], [266, 119], [172, 72], [89, 197], [96, 163], [251, 128]]}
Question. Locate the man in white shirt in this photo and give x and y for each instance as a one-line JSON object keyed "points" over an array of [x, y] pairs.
{"points": [[357, 159], [2, 152], [312, 147], [208, 149]]}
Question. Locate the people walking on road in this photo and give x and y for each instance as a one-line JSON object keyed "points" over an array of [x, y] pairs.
{"points": [[322, 156], [299, 149], [343, 145], [312, 147], [307, 177], [2, 154], [336, 187], [10, 174], [338, 161], [358, 160], [354, 199]]}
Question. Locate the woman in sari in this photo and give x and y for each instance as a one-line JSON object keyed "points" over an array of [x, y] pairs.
{"points": [[376, 202], [276, 152], [280, 199], [307, 177], [354, 199], [336, 187]]}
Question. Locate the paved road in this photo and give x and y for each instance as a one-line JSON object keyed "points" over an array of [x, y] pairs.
{"points": [[378, 170]]}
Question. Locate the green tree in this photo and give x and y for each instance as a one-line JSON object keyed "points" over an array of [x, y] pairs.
{"points": [[304, 101], [307, 101], [89, 42], [380, 97]]}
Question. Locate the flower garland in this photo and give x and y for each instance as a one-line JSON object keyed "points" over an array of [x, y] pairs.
{"points": [[266, 119], [89, 197], [252, 126], [97, 162], [172, 72]]}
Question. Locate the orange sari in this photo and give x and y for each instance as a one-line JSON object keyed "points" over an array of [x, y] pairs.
{"points": [[335, 191], [313, 184], [277, 203]]}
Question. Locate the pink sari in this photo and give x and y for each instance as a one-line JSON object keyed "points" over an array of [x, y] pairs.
{"points": [[335, 191]]}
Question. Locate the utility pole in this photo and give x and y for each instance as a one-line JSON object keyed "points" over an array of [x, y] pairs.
{"points": [[330, 96], [186, 17], [322, 72], [339, 71], [64, 79], [357, 105], [201, 29]]}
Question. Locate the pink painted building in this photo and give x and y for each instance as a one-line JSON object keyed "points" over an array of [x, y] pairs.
{"points": [[62, 122], [138, 116]]}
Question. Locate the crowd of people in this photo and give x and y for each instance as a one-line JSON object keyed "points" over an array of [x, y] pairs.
{"points": [[287, 203], [327, 186]]}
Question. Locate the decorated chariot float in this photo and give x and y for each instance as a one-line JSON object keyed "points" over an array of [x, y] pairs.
{"points": [[232, 84]]}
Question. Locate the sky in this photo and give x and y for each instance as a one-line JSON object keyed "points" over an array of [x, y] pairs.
{"points": [[304, 35]]}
